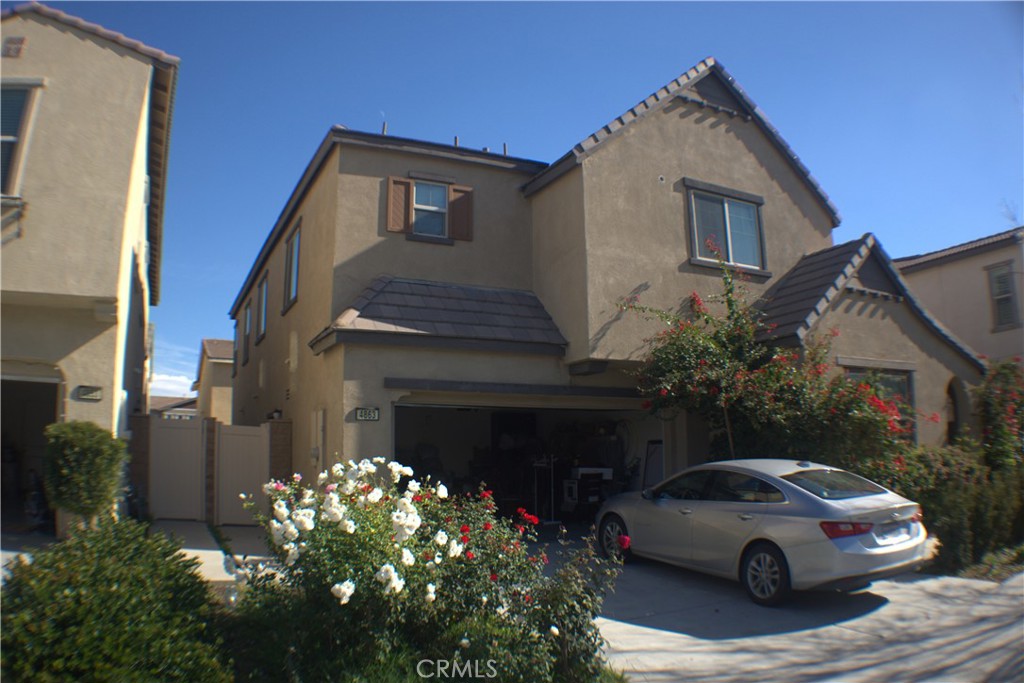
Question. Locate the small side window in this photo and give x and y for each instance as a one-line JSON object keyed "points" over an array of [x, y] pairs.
{"points": [[291, 264]]}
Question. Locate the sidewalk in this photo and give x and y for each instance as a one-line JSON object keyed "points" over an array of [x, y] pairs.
{"points": [[197, 541]]}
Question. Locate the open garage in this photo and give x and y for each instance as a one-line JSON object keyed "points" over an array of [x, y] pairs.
{"points": [[558, 463]]}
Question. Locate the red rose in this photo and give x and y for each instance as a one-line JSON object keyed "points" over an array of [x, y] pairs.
{"points": [[494, 577], [487, 526], [486, 493], [464, 529], [470, 555], [624, 541], [464, 539], [663, 393]]}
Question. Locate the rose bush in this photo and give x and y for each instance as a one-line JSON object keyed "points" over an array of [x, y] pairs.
{"points": [[376, 568]]}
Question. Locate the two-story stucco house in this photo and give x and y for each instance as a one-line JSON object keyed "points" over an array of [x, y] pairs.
{"points": [[975, 289], [213, 379], [86, 124], [458, 309]]}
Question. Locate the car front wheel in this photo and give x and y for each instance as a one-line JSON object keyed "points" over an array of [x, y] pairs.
{"points": [[612, 527], [765, 575]]}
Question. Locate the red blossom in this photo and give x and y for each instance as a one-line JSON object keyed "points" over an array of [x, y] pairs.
{"points": [[494, 577], [487, 526], [464, 539], [464, 529], [470, 555], [624, 541], [697, 303], [417, 498], [527, 598], [486, 493]]}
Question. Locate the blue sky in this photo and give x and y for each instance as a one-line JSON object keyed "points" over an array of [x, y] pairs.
{"points": [[910, 115]]}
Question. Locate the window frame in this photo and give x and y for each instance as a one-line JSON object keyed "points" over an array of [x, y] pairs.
{"points": [[247, 331], [416, 206], [293, 251], [261, 308], [11, 182], [234, 351], [993, 271], [725, 195]]}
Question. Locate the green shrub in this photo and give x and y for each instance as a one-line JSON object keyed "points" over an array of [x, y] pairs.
{"points": [[1000, 400], [108, 604], [83, 467], [373, 576], [971, 508]]}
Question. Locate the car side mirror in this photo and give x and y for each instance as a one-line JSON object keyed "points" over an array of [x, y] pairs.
{"points": [[647, 494]]}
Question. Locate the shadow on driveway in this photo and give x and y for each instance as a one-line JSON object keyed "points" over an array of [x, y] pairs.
{"points": [[660, 596]]}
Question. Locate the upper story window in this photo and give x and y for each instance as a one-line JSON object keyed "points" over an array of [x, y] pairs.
{"points": [[291, 265], [247, 335], [430, 209], [234, 351], [1005, 311], [726, 223], [12, 114], [261, 309]]}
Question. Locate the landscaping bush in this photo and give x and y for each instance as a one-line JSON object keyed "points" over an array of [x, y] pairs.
{"points": [[108, 604], [1000, 400], [970, 507], [83, 465], [378, 576]]}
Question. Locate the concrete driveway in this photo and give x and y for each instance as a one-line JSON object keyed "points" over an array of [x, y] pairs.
{"points": [[669, 624]]}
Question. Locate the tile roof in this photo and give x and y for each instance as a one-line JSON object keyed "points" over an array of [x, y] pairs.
{"points": [[934, 258], [448, 310], [219, 349], [679, 88], [160, 404], [798, 299]]}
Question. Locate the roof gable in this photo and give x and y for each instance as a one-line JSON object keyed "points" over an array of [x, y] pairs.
{"points": [[797, 300], [909, 264], [161, 114], [707, 84]]}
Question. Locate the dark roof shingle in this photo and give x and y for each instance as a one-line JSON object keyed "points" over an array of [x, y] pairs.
{"points": [[444, 309], [934, 258]]}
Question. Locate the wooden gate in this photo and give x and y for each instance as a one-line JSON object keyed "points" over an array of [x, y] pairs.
{"points": [[176, 472], [243, 466]]}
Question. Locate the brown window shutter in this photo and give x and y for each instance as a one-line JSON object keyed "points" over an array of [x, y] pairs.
{"points": [[399, 204], [460, 212]]}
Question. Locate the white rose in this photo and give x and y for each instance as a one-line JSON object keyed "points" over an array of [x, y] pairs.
{"points": [[442, 491], [407, 558]]}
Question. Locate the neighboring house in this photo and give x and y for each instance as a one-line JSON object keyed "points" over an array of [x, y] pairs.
{"points": [[86, 124], [975, 289], [459, 309], [213, 379], [173, 407]]}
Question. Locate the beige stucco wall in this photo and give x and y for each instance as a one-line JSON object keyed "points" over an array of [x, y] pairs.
{"points": [[79, 251], [497, 256], [875, 332], [214, 397], [560, 258], [957, 293], [637, 215], [79, 174], [65, 342]]}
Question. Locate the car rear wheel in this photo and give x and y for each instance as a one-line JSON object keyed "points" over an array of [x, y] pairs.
{"points": [[612, 527], [765, 575]]}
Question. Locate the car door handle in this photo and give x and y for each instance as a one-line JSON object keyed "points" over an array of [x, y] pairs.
{"points": [[745, 517], [686, 511]]}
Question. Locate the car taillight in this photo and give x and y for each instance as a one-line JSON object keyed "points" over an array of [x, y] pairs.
{"points": [[844, 529]]}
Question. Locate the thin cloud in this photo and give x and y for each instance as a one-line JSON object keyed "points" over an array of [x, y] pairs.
{"points": [[171, 385]]}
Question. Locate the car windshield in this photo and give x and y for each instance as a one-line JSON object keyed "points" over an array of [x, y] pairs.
{"points": [[833, 484]]}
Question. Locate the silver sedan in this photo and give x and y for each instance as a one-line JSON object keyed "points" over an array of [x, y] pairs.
{"points": [[775, 525]]}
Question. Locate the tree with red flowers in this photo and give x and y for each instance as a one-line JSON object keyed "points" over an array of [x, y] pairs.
{"points": [[1000, 400], [760, 400]]}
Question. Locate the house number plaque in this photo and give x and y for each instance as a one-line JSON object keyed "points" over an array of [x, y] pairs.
{"points": [[367, 414]]}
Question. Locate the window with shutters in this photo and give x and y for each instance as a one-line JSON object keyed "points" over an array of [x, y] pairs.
{"points": [[12, 114], [1005, 311], [429, 210]]}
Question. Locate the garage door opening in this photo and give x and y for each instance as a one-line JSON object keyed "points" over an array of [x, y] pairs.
{"points": [[28, 407], [559, 464]]}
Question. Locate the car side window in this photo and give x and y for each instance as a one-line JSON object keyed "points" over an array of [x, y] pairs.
{"points": [[737, 487], [688, 486]]}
